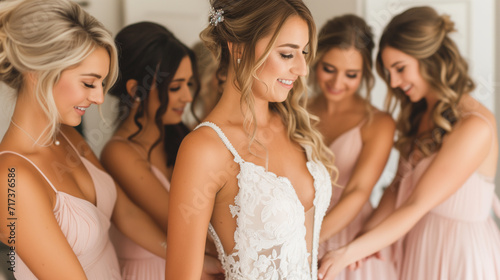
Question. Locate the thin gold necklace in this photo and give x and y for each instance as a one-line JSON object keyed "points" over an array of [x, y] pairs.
{"points": [[56, 142]]}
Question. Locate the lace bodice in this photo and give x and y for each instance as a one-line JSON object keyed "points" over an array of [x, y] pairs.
{"points": [[270, 237]]}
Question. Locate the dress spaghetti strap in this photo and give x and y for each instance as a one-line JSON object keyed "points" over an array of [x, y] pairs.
{"points": [[496, 205], [362, 122], [224, 139], [487, 122], [34, 165], [496, 200], [478, 115], [71, 144]]}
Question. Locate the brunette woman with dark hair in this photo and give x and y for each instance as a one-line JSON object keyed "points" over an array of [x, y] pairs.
{"points": [[157, 75]]}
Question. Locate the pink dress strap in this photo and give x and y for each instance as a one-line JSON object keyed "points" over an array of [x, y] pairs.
{"points": [[34, 165], [487, 122], [496, 200], [496, 205], [84, 225], [135, 261], [347, 148], [362, 122], [71, 144]]}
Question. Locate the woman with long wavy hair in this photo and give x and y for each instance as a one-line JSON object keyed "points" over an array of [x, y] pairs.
{"points": [[254, 173], [360, 135], [439, 204], [157, 80]]}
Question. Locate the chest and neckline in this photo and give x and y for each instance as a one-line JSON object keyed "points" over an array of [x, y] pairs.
{"points": [[267, 220], [348, 132], [248, 166], [88, 169]]}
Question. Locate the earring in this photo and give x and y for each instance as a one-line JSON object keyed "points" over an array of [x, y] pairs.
{"points": [[137, 99], [238, 60]]}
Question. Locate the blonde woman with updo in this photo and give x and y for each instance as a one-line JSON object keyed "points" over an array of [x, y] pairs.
{"points": [[255, 173], [60, 60], [360, 135], [439, 206]]}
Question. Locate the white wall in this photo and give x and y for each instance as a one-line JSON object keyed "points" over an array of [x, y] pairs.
{"points": [[7, 100], [184, 18], [496, 84], [98, 129], [325, 10]]}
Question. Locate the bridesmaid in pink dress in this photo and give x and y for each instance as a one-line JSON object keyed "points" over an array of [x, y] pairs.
{"points": [[440, 203], [359, 135], [59, 61], [155, 84]]}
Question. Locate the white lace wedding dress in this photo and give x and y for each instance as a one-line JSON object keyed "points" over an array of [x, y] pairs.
{"points": [[274, 238]]}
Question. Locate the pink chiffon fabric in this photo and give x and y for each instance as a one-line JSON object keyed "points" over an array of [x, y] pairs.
{"points": [[458, 239], [347, 148], [137, 263], [85, 226]]}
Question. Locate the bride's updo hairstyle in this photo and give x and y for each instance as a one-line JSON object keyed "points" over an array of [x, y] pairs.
{"points": [[243, 23]]}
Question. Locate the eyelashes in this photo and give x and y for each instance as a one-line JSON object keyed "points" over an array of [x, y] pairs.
{"points": [[332, 71], [175, 89], [286, 56], [290, 55], [93, 86], [328, 69], [88, 85]]}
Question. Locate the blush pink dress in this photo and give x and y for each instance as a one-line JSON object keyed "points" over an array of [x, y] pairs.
{"points": [[457, 239], [85, 226], [347, 148], [137, 263]]}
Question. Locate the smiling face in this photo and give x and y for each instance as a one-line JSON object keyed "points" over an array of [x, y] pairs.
{"points": [[339, 73], [81, 86], [285, 63], [179, 94], [404, 73]]}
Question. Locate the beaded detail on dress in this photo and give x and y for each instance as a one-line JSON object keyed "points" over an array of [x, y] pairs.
{"points": [[270, 237]]}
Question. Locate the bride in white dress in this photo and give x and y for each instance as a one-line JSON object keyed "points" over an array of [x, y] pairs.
{"points": [[255, 173]]}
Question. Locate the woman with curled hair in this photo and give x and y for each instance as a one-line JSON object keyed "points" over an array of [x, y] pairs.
{"points": [[254, 173], [60, 60], [439, 204], [360, 136], [156, 82], [211, 80]]}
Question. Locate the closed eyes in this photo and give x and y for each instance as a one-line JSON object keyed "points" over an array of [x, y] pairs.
{"points": [[287, 56]]}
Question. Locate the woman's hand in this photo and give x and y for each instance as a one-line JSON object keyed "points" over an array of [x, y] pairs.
{"points": [[332, 264], [212, 269]]}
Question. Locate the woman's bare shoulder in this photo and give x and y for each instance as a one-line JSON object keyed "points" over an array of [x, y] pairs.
{"points": [[379, 122], [204, 144]]}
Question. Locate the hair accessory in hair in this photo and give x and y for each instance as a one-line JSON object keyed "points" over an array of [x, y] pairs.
{"points": [[216, 16]]}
